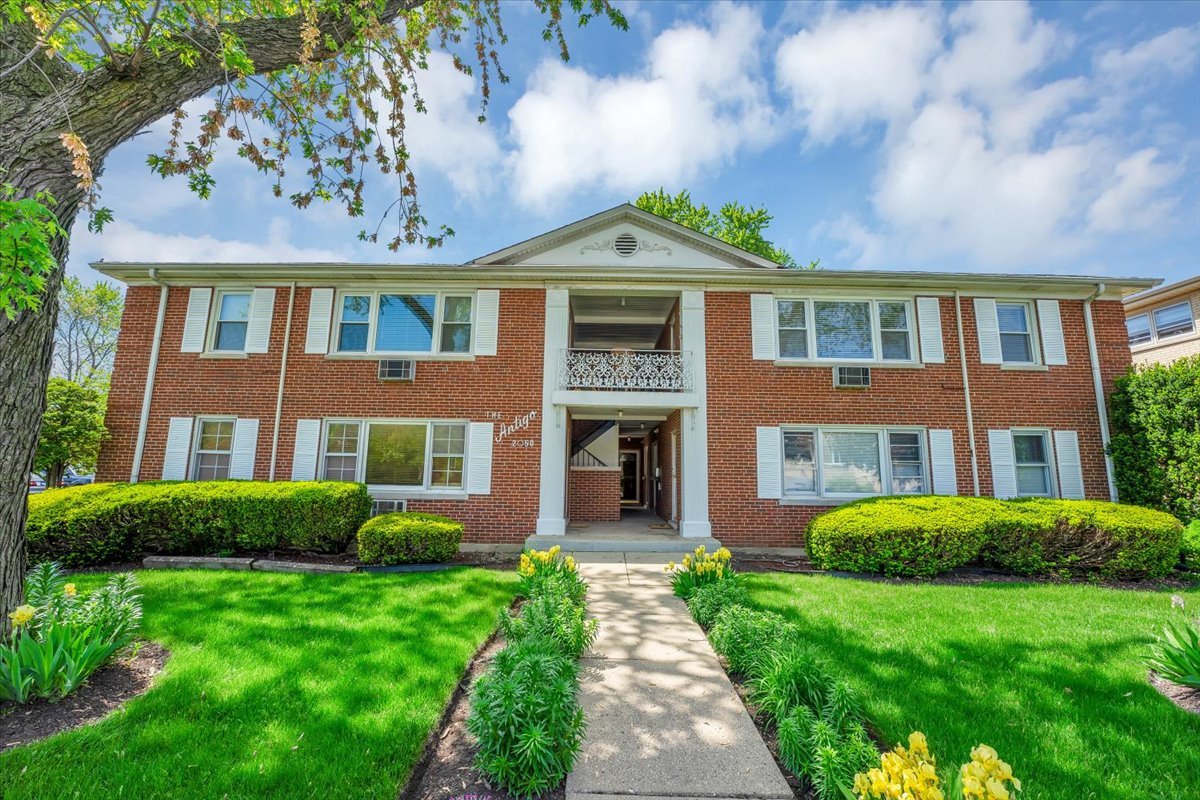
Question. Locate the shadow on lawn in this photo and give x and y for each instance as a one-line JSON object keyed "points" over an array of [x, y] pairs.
{"points": [[1069, 708], [294, 686]]}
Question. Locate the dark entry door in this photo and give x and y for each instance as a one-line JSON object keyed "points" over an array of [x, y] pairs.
{"points": [[631, 477]]}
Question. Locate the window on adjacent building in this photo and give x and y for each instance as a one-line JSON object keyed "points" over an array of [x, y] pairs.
{"points": [[214, 449], [1031, 452], [401, 453], [793, 329], [1016, 332], [845, 330], [1139, 329], [393, 323], [1173, 320], [233, 317], [851, 462]]}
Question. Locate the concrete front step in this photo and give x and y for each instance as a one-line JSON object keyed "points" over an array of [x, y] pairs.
{"points": [[632, 544]]}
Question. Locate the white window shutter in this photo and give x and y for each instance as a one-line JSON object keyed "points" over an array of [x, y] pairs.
{"points": [[929, 320], [479, 458], [944, 479], [487, 321], [245, 445], [987, 329], [320, 308], [304, 454], [196, 324], [770, 463], [179, 445], [258, 330], [1004, 466], [762, 327], [1054, 348], [1070, 465]]}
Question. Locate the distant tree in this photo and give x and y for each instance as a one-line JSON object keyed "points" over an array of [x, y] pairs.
{"points": [[72, 428], [85, 339], [735, 224]]}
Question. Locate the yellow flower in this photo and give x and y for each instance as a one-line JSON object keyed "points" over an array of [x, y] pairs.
{"points": [[997, 789], [569, 563], [69, 589], [916, 741], [22, 615]]}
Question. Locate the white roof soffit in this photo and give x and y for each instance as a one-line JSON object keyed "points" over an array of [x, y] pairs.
{"points": [[326, 273], [1163, 294]]}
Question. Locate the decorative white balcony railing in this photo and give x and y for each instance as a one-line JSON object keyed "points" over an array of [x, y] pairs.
{"points": [[626, 370]]}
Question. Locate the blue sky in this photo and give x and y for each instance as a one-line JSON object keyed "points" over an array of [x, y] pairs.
{"points": [[998, 137]]}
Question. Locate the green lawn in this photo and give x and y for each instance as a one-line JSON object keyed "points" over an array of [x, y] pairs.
{"points": [[288, 686], [1049, 675]]}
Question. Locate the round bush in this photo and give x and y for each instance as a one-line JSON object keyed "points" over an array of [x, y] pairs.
{"points": [[1111, 540], [409, 537], [111, 522], [912, 536]]}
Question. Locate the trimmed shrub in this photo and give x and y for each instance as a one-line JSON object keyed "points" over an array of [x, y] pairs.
{"points": [[911, 536], [111, 522], [710, 599], [1037, 536], [409, 537]]}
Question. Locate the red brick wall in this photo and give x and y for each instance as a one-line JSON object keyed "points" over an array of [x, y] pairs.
{"points": [[508, 384], [1061, 397], [665, 459], [593, 495]]}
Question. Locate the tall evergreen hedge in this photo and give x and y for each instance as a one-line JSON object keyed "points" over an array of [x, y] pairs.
{"points": [[1156, 437]]}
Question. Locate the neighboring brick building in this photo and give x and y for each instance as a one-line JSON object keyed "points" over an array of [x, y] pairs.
{"points": [[618, 362], [1164, 323]]}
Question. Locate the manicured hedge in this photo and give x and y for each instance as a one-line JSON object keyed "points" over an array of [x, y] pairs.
{"points": [[925, 536], [112, 522], [409, 537], [919, 536]]}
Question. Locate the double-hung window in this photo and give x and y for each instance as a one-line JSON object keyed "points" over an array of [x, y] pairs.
{"points": [[1031, 453], [400, 454], [1139, 329], [404, 323], [232, 320], [851, 462], [845, 330], [213, 450], [1016, 333]]}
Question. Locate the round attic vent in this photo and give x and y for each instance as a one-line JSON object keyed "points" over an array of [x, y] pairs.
{"points": [[626, 244]]}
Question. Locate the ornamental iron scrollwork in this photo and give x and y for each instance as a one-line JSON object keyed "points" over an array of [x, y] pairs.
{"points": [[640, 370]]}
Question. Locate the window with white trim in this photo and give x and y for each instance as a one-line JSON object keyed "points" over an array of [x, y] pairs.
{"points": [[819, 329], [1031, 455], [1015, 321], [231, 320], [401, 454], [213, 449], [398, 323], [1161, 323], [853, 462]]}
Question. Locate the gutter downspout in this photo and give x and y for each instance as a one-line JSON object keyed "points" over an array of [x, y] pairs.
{"points": [[287, 335], [1098, 385], [144, 421], [962, 357]]}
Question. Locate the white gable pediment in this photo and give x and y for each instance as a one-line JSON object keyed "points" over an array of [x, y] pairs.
{"points": [[626, 237]]}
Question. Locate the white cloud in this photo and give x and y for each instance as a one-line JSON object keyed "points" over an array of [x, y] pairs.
{"points": [[699, 101], [1132, 201], [124, 241], [851, 69], [1171, 53], [449, 137]]}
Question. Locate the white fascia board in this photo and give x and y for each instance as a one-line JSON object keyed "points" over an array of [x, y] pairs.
{"points": [[599, 398]]}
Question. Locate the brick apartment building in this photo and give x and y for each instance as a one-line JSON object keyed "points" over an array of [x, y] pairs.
{"points": [[620, 367]]}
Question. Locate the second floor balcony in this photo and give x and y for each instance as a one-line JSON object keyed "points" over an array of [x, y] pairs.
{"points": [[626, 370]]}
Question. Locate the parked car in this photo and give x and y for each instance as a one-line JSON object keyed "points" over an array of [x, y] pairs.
{"points": [[36, 483], [73, 478]]}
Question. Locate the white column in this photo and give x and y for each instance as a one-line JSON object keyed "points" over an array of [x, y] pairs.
{"points": [[552, 505], [694, 421]]}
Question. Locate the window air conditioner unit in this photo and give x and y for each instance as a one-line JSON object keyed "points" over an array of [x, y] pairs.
{"points": [[852, 377], [397, 370]]}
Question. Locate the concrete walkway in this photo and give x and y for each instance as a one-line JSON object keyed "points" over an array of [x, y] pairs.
{"points": [[663, 719]]}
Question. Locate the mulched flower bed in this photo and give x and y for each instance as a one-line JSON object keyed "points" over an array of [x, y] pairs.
{"points": [[108, 689], [446, 769], [1186, 698]]}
